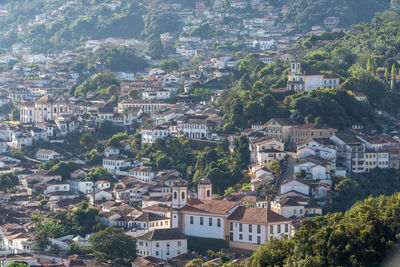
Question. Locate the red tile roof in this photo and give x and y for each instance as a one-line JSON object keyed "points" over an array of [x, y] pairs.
{"points": [[221, 207]]}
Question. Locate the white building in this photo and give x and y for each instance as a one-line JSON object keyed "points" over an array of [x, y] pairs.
{"points": [[152, 133], [81, 186], [143, 173], [115, 163], [299, 81], [43, 109], [243, 227], [162, 244], [45, 155]]}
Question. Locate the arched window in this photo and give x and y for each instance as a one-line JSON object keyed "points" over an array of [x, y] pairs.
{"points": [[183, 195], [208, 193], [175, 195]]}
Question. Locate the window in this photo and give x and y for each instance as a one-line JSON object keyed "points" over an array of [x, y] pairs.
{"points": [[240, 227], [219, 222], [279, 229], [271, 229], [258, 240], [231, 227], [157, 245], [250, 228], [179, 243], [209, 221], [175, 195], [183, 195], [258, 229], [231, 236], [286, 228], [240, 236], [191, 219], [208, 193], [201, 220], [157, 253], [250, 238]]}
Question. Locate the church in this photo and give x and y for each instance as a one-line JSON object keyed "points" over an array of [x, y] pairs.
{"points": [[240, 226], [299, 81]]}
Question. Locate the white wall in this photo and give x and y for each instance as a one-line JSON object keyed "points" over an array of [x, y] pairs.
{"points": [[204, 230]]}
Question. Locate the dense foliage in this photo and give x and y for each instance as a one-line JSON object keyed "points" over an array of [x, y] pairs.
{"points": [[303, 14], [363, 236], [112, 244], [97, 84], [349, 190], [8, 181]]}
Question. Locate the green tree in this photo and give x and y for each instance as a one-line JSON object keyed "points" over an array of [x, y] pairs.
{"points": [[113, 90], [97, 174], [134, 94], [14, 114], [393, 77], [41, 240], [275, 167], [241, 152], [156, 49], [112, 244], [169, 65], [18, 264], [87, 140]]}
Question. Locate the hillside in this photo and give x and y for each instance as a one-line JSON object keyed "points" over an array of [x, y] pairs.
{"points": [[303, 14]]}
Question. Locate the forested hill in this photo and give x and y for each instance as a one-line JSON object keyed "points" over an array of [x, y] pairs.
{"points": [[59, 24], [303, 14], [363, 236]]}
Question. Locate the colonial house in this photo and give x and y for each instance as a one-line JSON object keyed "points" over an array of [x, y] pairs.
{"points": [[45, 155], [151, 133], [304, 132], [315, 168], [162, 244], [44, 109], [279, 128], [265, 150]]}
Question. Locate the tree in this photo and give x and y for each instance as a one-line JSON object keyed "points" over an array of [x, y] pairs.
{"points": [[14, 114], [393, 77], [169, 65], [106, 128], [241, 152], [18, 264], [395, 4], [156, 49], [274, 166], [112, 244], [64, 169], [94, 175], [41, 239], [134, 94], [113, 90], [87, 140]]}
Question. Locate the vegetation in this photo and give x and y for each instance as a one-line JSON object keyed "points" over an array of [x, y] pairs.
{"points": [[348, 191], [80, 221], [97, 84], [8, 181], [363, 236], [305, 13], [18, 264], [112, 244]]}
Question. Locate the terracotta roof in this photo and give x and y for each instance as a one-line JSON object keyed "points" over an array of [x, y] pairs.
{"points": [[158, 207], [221, 207]]}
